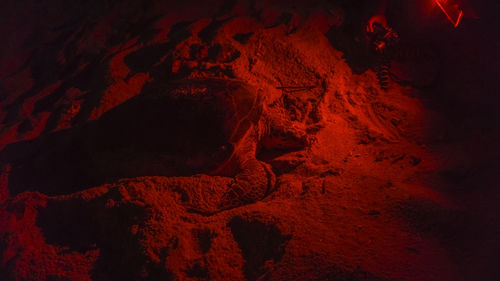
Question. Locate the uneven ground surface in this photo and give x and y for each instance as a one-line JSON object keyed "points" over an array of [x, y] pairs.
{"points": [[232, 141]]}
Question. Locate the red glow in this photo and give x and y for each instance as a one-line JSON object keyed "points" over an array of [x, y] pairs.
{"points": [[247, 140], [452, 11]]}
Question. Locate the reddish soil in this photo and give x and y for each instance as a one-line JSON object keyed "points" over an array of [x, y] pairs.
{"points": [[242, 140]]}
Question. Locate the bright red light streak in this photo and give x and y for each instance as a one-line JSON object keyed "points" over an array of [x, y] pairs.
{"points": [[446, 12]]}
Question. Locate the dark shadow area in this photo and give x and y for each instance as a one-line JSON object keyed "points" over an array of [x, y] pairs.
{"points": [[198, 272], [259, 243], [350, 36], [336, 274], [450, 227], [207, 34], [204, 237], [6, 269], [81, 226]]}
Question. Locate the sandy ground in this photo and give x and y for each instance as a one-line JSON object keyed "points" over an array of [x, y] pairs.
{"points": [[322, 175]]}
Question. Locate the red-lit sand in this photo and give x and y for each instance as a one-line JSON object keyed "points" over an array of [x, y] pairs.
{"points": [[343, 180]]}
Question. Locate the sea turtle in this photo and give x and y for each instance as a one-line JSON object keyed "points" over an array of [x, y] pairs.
{"points": [[211, 138], [199, 135]]}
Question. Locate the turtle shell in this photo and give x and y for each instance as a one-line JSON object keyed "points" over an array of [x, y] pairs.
{"points": [[237, 104], [177, 128], [181, 128]]}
